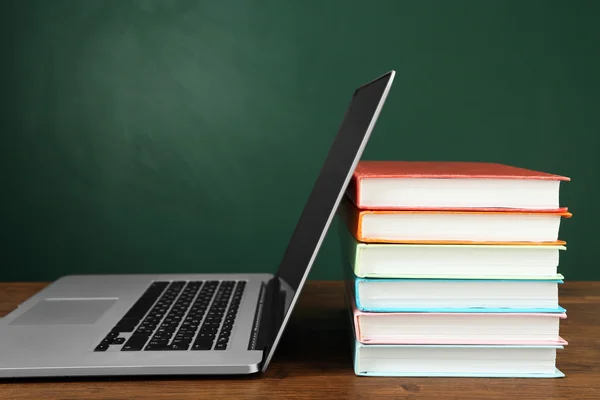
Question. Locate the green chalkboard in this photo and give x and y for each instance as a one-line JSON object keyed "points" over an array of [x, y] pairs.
{"points": [[184, 136]]}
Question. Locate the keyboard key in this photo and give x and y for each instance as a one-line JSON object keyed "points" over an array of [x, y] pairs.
{"points": [[225, 333], [128, 347], [206, 335], [156, 347], [202, 345], [125, 325], [101, 347], [135, 343], [179, 346], [138, 339], [163, 335], [221, 346], [157, 344]]}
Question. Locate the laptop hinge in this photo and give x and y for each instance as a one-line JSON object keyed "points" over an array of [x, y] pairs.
{"points": [[254, 337], [267, 317]]}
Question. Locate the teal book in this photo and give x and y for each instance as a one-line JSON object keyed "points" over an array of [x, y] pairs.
{"points": [[489, 361], [455, 295]]}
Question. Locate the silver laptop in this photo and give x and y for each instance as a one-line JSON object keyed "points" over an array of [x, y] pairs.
{"points": [[184, 324]]}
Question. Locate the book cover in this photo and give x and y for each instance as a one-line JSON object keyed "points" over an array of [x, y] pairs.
{"points": [[353, 218], [352, 250], [367, 169], [446, 170], [356, 314], [360, 370], [354, 281]]}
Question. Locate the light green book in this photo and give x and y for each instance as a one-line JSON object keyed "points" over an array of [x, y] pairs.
{"points": [[429, 261]]}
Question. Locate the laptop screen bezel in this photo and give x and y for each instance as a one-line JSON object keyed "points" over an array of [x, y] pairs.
{"points": [[278, 329]]}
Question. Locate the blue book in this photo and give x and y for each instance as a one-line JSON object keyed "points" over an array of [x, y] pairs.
{"points": [[456, 295], [493, 361]]}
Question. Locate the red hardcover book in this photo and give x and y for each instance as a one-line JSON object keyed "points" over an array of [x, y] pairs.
{"points": [[426, 185]]}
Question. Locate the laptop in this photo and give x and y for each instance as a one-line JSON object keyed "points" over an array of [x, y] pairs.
{"points": [[184, 324]]}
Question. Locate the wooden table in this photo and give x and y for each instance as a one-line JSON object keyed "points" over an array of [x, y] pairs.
{"points": [[314, 362]]}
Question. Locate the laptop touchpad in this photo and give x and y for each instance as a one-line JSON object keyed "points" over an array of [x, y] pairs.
{"points": [[65, 311]]}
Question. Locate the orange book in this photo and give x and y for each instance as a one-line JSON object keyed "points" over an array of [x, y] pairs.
{"points": [[424, 185], [452, 227]]}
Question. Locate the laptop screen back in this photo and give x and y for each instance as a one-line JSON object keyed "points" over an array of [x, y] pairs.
{"points": [[328, 191]]}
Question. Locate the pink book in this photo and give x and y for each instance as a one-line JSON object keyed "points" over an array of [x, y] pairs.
{"points": [[477, 328]]}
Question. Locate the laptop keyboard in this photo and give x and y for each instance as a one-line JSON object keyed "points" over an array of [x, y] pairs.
{"points": [[175, 316]]}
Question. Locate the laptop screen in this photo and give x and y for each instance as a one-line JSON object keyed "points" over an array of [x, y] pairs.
{"points": [[328, 191]]}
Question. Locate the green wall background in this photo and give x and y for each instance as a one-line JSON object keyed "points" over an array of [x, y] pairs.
{"points": [[184, 136]]}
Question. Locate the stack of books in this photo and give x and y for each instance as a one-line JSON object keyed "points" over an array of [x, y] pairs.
{"points": [[453, 269]]}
